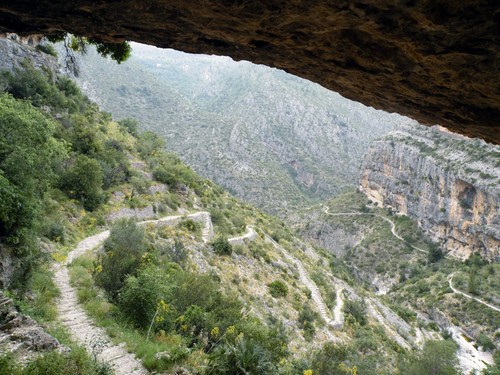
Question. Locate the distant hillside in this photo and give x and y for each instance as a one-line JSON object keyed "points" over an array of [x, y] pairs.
{"points": [[270, 138]]}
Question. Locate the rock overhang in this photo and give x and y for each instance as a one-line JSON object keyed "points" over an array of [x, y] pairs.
{"points": [[434, 61]]}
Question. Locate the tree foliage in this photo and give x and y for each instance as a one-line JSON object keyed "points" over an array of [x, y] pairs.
{"points": [[28, 156], [437, 357], [83, 181], [221, 246], [121, 257], [278, 289]]}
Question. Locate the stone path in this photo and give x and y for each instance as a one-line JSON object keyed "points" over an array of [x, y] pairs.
{"points": [[81, 327], [250, 235], [391, 333], [450, 281], [391, 223], [304, 278]]}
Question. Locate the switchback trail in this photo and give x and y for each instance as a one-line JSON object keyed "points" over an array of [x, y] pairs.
{"points": [[391, 333], [338, 318], [450, 282], [81, 327], [391, 223], [250, 235]]}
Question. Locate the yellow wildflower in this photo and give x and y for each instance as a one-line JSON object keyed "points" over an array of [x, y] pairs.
{"points": [[215, 332]]}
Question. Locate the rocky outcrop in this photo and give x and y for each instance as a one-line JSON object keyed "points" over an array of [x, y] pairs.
{"points": [[433, 61], [448, 183], [14, 52], [20, 335]]}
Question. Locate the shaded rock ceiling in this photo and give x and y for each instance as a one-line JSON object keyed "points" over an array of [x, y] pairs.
{"points": [[436, 61]]}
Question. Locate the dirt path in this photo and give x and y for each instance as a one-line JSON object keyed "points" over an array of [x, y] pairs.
{"points": [[249, 235], [304, 278], [81, 327], [391, 223], [450, 282]]}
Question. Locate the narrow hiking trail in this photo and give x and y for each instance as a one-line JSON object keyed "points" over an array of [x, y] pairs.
{"points": [[470, 358], [324, 311], [391, 223], [81, 327], [76, 320], [450, 282], [250, 235], [391, 333]]}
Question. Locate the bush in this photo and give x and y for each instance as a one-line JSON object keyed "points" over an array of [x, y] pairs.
{"points": [[141, 296], [435, 253], [75, 362], [190, 225], [221, 246], [83, 181], [278, 289], [485, 342], [243, 357], [122, 255], [47, 48], [437, 357], [357, 310]]}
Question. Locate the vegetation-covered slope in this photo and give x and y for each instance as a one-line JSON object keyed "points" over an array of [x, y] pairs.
{"points": [[184, 291], [268, 137]]}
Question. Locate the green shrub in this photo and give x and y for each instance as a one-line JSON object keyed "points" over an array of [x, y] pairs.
{"points": [[47, 48], [83, 181], [243, 357], [278, 289], [357, 310], [485, 342], [437, 357], [122, 255], [221, 246], [76, 362], [141, 295], [190, 225]]}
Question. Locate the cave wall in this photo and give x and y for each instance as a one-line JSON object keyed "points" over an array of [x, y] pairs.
{"points": [[433, 60]]}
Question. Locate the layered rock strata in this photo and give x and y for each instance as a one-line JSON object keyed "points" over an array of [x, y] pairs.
{"points": [[448, 183]]}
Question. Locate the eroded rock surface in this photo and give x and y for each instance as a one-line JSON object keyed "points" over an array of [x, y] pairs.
{"points": [[434, 61], [21, 335], [448, 183]]}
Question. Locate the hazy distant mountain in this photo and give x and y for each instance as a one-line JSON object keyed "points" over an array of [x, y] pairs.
{"points": [[271, 138]]}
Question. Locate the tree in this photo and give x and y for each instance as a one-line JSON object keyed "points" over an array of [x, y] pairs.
{"points": [[121, 257], [473, 283], [28, 155], [149, 144], [437, 358], [83, 181], [435, 253], [131, 125], [119, 52], [221, 246]]}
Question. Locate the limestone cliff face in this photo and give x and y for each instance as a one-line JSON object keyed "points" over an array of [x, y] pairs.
{"points": [[448, 183], [15, 50]]}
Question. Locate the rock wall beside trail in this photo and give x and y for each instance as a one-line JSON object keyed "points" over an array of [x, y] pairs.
{"points": [[448, 183]]}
